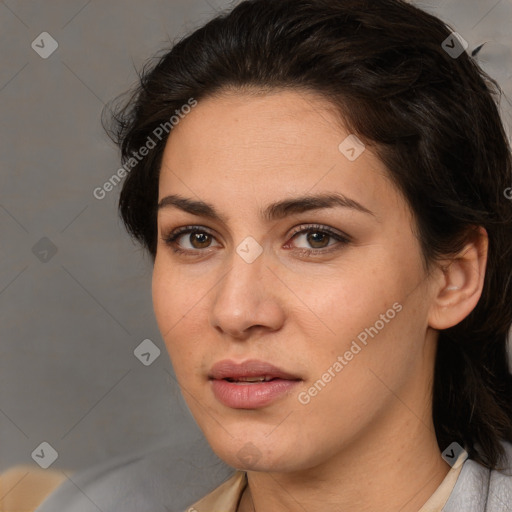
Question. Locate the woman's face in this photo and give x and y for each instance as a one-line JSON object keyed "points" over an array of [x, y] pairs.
{"points": [[332, 294]]}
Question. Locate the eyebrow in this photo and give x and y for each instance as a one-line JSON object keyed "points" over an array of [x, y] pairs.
{"points": [[274, 211]]}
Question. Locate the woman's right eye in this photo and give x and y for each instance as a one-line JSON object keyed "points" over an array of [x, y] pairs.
{"points": [[198, 238]]}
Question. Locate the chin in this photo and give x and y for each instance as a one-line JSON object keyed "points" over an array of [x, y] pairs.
{"points": [[258, 453]]}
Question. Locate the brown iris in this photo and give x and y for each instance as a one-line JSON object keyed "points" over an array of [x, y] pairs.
{"points": [[203, 240], [317, 237]]}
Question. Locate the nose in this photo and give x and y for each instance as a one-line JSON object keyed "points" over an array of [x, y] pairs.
{"points": [[247, 299]]}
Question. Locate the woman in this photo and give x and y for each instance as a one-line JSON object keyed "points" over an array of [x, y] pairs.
{"points": [[321, 185]]}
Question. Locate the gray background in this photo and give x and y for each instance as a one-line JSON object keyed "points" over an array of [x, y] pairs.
{"points": [[69, 322]]}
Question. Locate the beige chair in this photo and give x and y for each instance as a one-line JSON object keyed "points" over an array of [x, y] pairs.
{"points": [[23, 488]]}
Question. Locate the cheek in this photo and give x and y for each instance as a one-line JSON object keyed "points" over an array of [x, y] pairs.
{"points": [[164, 303], [373, 323], [351, 382], [345, 305], [175, 307], [175, 297]]}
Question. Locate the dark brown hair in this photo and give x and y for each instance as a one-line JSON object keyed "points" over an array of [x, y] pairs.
{"points": [[432, 118]]}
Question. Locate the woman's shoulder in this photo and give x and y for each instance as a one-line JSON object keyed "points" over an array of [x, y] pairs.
{"points": [[500, 485], [480, 489]]}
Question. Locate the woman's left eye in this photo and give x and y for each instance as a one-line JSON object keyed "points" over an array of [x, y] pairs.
{"points": [[318, 238]]}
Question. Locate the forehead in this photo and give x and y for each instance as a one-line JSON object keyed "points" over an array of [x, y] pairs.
{"points": [[257, 125], [266, 146]]}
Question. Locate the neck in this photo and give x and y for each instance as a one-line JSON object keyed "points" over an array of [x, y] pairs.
{"points": [[383, 471]]}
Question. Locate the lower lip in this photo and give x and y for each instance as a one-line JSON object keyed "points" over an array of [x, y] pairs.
{"points": [[251, 395]]}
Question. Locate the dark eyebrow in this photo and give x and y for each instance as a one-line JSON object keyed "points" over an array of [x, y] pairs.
{"points": [[272, 212]]}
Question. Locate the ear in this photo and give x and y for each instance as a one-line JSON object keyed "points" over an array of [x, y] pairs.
{"points": [[459, 282]]}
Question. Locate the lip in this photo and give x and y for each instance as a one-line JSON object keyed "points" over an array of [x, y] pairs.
{"points": [[228, 369], [245, 395]]}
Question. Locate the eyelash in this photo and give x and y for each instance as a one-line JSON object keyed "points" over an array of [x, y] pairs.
{"points": [[170, 239]]}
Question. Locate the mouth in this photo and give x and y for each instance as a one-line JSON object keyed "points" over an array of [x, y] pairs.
{"points": [[250, 385], [248, 371], [250, 380]]}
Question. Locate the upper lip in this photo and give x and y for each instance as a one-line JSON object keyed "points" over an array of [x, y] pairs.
{"points": [[253, 368]]}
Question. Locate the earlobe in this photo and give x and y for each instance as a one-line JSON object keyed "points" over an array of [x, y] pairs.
{"points": [[460, 283]]}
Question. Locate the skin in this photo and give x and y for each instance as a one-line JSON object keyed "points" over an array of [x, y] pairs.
{"points": [[366, 442]]}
